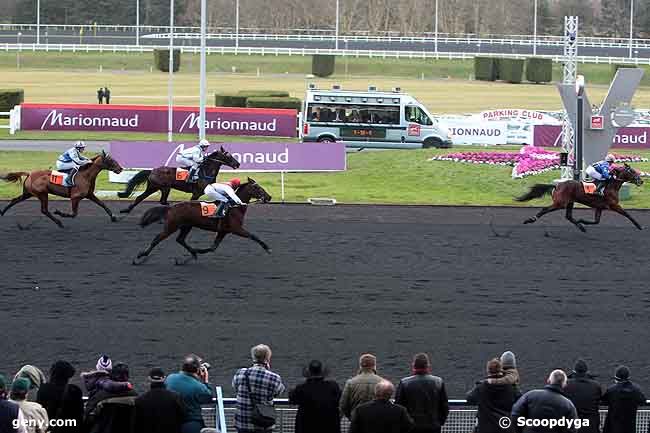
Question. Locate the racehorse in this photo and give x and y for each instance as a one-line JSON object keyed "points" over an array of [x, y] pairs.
{"points": [[37, 184], [163, 179], [569, 192], [189, 214]]}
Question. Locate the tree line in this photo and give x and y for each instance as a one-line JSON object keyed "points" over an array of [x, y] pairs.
{"points": [[597, 17]]}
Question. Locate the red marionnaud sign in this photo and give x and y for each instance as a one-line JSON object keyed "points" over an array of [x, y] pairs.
{"points": [[597, 122], [150, 118]]}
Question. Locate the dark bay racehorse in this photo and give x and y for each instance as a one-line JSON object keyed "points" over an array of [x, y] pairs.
{"points": [[187, 215], [37, 184], [163, 179], [567, 193]]}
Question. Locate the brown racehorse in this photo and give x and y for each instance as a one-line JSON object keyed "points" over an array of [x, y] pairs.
{"points": [[163, 179], [37, 184], [567, 193], [187, 215]]}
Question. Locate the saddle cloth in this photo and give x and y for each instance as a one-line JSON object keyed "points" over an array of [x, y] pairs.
{"points": [[590, 188], [208, 209], [182, 174], [58, 178]]}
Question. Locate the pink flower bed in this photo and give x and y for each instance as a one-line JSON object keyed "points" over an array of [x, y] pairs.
{"points": [[528, 161]]}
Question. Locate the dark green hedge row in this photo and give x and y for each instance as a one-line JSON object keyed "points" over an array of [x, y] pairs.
{"points": [[9, 98], [161, 60]]}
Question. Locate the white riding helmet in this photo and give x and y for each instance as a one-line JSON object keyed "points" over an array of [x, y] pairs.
{"points": [[610, 158], [204, 143], [80, 145]]}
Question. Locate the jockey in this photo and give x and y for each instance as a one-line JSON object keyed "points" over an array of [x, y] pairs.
{"points": [[192, 157], [225, 193], [599, 172], [71, 160]]}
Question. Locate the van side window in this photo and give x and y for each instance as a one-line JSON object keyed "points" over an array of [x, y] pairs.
{"points": [[416, 115]]}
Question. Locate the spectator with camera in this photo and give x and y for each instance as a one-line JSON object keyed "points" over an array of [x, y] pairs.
{"points": [[191, 383], [256, 387]]}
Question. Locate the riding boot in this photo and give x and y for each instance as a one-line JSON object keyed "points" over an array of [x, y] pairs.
{"points": [[222, 210], [190, 176], [600, 188], [70, 178]]}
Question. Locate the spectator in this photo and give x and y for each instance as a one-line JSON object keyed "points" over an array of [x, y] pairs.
{"points": [[424, 396], [318, 402], [100, 379], [192, 385], [159, 410], [34, 375], [585, 393], [361, 388], [545, 404], [34, 413], [10, 413], [107, 95], [60, 399], [265, 385], [381, 415], [622, 399], [112, 410], [510, 372], [494, 401], [100, 95]]}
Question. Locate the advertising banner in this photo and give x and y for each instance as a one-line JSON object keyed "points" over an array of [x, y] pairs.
{"points": [[146, 118], [253, 156], [475, 132], [531, 116], [630, 137]]}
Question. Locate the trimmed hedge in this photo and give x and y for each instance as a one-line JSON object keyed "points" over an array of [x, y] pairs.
{"points": [[161, 60], [274, 102], [229, 100], [539, 70], [9, 98], [485, 68], [511, 70], [263, 93], [322, 65]]}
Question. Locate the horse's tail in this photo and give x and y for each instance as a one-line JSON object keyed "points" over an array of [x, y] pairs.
{"points": [[536, 191], [137, 180], [153, 215], [14, 177]]}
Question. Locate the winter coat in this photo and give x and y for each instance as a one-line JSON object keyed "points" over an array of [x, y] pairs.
{"points": [[543, 404], [360, 389], [425, 398], [60, 399], [494, 401], [159, 411], [33, 412], [585, 394], [193, 392], [96, 381], [381, 416], [96, 419], [318, 406], [622, 399]]}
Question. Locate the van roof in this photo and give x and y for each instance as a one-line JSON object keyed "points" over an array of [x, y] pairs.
{"points": [[341, 92]]}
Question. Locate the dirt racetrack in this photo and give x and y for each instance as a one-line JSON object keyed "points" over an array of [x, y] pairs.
{"points": [[342, 280]]}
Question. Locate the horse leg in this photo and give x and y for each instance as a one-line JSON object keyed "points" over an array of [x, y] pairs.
{"points": [[569, 216], [217, 241], [164, 195], [146, 193], [619, 210], [46, 212], [597, 213], [245, 234], [544, 211], [25, 195], [92, 197], [75, 209], [159, 238], [185, 230]]}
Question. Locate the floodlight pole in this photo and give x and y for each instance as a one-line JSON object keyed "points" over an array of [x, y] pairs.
{"points": [[435, 31], [38, 21], [336, 36], [631, 25], [535, 30], [203, 78], [580, 128], [137, 22], [237, 24], [170, 85]]}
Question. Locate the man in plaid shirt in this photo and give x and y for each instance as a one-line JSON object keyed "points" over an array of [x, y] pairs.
{"points": [[265, 386]]}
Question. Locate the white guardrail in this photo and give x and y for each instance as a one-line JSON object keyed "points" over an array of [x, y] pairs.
{"points": [[14, 119], [271, 51]]}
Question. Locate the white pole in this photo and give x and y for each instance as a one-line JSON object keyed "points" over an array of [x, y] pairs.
{"points": [[38, 21], [170, 85], [203, 81], [435, 30], [282, 184], [237, 24], [137, 22], [631, 24], [336, 36], [535, 30]]}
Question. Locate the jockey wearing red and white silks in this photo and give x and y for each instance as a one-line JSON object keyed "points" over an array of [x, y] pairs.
{"points": [[224, 192]]}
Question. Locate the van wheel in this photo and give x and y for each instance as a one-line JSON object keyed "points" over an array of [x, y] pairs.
{"points": [[432, 142], [325, 139]]}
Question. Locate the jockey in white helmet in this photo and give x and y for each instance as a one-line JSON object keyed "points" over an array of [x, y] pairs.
{"points": [[192, 157], [71, 160], [224, 192], [599, 172]]}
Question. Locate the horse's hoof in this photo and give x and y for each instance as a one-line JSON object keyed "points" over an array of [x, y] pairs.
{"points": [[582, 228], [125, 210], [137, 260], [530, 220], [269, 250], [114, 219]]}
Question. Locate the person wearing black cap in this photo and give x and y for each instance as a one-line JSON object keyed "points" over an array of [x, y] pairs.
{"points": [[159, 410], [585, 393], [318, 402], [60, 399], [193, 387], [623, 398]]}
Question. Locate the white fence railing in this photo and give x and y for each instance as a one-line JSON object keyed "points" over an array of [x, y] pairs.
{"points": [[14, 119]]}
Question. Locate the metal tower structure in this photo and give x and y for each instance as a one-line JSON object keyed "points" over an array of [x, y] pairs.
{"points": [[570, 71]]}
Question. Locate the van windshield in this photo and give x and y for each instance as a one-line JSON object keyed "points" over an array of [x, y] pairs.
{"points": [[337, 113], [415, 114]]}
